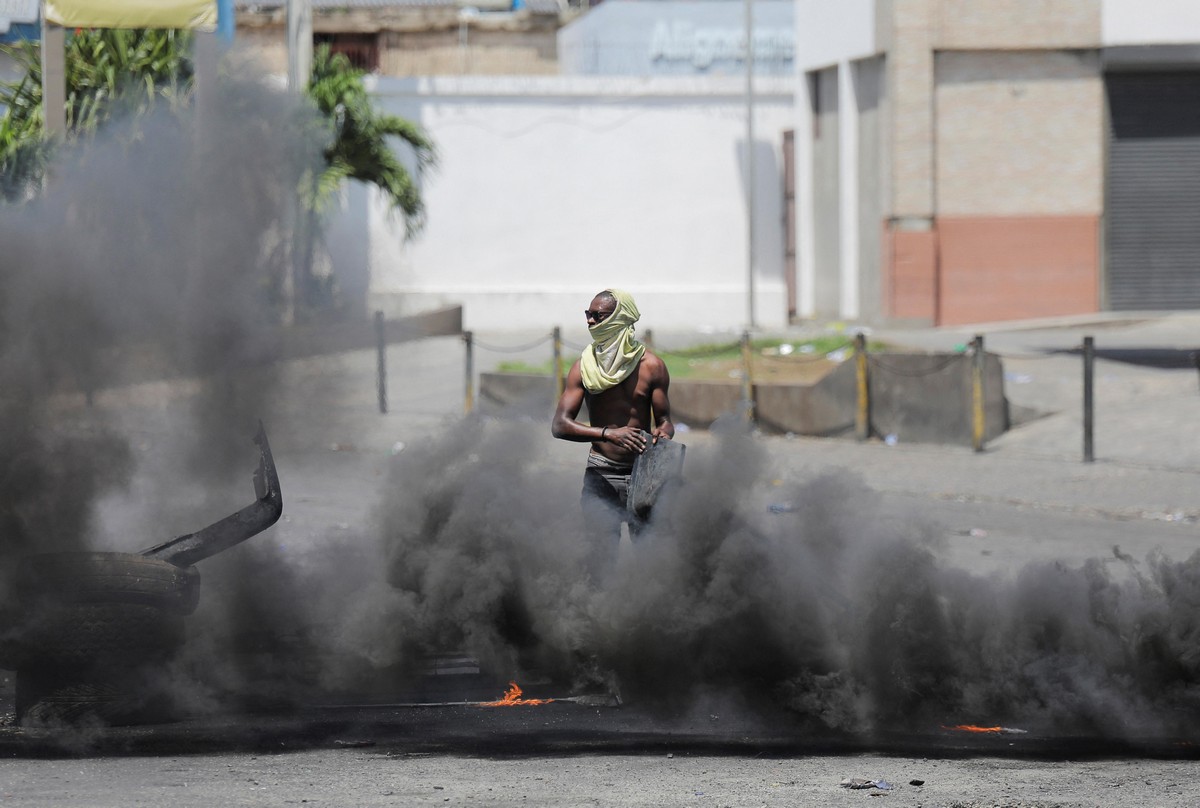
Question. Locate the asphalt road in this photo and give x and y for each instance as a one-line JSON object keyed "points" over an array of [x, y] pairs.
{"points": [[1027, 498]]}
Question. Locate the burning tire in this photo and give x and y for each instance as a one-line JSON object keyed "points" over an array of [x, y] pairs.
{"points": [[93, 630], [90, 622], [109, 578], [78, 635], [53, 698]]}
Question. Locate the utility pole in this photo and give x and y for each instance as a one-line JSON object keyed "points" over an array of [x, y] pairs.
{"points": [[299, 43], [750, 256], [54, 77]]}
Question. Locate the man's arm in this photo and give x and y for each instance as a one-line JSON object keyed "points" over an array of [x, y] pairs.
{"points": [[660, 402], [565, 424]]}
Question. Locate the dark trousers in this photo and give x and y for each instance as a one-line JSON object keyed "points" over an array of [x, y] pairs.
{"points": [[605, 488]]}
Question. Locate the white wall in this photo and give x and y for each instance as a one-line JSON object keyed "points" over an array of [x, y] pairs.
{"points": [[1150, 22], [550, 189], [832, 31]]}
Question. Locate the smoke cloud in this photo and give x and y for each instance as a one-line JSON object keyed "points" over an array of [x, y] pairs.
{"points": [[834, 610], [157, 253], [154, 254]]}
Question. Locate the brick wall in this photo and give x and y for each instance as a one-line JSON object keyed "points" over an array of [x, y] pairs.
{"points": [[1019, 133]]}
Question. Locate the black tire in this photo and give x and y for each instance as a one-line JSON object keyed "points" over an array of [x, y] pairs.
{"points": [[52, 699], [109, 578], [82, 635]]}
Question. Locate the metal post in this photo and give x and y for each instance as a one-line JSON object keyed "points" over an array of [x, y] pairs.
{"points": [[978, 413], [54, 78], [381, 360], [862, 414], [750, 256], [747, 378], [558, 374], [469, 396], [299, 44], [226, 21], [1089, 367]]}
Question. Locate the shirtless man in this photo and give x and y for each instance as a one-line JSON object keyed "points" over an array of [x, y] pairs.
{"points": [[625, 387]]}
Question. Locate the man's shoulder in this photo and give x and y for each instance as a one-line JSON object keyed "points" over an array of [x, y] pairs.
{"points": [[652, 363]]}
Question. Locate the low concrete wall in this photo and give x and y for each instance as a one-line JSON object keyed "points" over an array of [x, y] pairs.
{"points": [[927, 398], [918, 398]]}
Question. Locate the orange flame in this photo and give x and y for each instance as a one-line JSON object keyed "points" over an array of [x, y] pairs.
{"points": [[973, 728], [512, 698]]}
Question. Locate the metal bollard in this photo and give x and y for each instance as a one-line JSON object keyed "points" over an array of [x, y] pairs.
{"points": [[747, 378], [978, 411], [1089, 375], [381, 361], [862, 412], [469, 364]]}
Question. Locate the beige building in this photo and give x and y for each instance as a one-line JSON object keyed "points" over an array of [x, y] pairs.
{"points": [[967, 161], [417, 37]]}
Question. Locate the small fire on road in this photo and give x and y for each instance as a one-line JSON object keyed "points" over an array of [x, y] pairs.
{"points": [[512, 698], [990, 730]]}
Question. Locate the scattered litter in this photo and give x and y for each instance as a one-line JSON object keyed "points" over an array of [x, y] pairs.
{"points": [[837, 356], [786, 349], [779, 507], [916, 782], [891, 440], [807, 348], [397, 447], [670, 755], [861, 783], [977, 532], [353, 744]]}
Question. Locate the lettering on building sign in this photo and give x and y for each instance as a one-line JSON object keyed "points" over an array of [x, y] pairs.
{"points": [[702, 47]]}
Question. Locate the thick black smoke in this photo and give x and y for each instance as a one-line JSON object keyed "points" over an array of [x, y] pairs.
{"points": [[154, 256], [835, 608]]}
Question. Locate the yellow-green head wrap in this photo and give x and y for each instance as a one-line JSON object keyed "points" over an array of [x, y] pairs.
{"points": [[614, 353]]}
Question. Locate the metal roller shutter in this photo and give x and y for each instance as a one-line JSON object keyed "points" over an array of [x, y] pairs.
{"points": [[1153, 190]]}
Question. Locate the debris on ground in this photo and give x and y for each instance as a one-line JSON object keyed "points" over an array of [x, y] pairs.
{"points": [[862, 783]]}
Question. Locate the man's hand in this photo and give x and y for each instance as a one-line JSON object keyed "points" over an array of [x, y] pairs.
{"points": [[629, 438], [662, 433]]}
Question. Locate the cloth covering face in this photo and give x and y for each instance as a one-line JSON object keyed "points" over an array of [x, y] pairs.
{"points": [[614, 352]]}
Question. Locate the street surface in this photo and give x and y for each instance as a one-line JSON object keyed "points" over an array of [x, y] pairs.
{"points": [[1027, 498]]}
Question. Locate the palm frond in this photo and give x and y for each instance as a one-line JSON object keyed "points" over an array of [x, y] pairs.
{"points": [[360, 145]]}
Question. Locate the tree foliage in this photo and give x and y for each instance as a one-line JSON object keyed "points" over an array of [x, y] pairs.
{"points": [[361, 148], [109, 73]]}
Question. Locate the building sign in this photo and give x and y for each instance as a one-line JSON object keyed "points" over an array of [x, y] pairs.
{"points": [[701, 47], [677, 37]]}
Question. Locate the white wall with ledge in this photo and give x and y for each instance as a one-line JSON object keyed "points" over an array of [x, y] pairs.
{"points": [[551, 188]]}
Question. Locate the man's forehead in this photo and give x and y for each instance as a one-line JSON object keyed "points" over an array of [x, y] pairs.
{"points": [[602, 302]]}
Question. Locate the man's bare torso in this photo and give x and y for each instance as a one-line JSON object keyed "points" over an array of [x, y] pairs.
{"points": [[627, 404]]}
